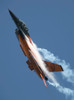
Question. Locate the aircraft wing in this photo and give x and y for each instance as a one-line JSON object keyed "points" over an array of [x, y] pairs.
{"points": [[53, 67]]}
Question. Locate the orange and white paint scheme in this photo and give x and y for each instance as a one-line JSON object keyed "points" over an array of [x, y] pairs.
{"points": [[29, 49]]}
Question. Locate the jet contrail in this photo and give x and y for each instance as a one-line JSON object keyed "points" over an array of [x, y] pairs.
{"points": [[67, 73]]}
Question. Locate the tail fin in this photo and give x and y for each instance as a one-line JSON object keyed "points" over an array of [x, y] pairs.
{"points": [[53, 67]]}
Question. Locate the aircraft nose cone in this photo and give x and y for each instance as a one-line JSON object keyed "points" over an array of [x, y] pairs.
{"points": [[15, 19], [10, 12]]}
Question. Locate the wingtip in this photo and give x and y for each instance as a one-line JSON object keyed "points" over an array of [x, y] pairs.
{"points": [[61, 68]]}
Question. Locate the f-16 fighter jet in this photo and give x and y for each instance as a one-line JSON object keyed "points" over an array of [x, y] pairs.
{"points": [[29, 49]]}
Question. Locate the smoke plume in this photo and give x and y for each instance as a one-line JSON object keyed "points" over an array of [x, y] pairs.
{"points": [[47, 55], [66, 74]]}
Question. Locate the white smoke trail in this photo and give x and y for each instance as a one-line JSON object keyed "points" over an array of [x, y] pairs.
{"points": [[64, 90], [67, 73]]}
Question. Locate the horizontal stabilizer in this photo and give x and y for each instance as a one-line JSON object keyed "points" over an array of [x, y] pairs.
{"points": [[53, 67]]}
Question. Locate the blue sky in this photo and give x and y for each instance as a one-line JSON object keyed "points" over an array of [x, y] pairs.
{"points": [[51, 26]]}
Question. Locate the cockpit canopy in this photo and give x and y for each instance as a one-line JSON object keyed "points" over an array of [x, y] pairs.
{"points": [[24, 28]]}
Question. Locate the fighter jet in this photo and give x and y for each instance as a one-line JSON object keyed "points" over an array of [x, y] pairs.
{"points": [[24, 41]]}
